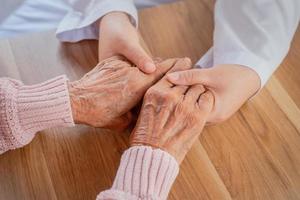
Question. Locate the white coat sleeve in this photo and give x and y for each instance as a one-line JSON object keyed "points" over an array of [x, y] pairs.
{"points": [[253, 33], [81, 21]]}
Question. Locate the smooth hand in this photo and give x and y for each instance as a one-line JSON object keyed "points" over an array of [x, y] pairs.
{"points": [[231, 85], [172, 117], [118, 36], [104, 96]]}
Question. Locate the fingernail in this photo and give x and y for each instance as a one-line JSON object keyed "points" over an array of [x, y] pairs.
{"points": [[150, 67], [173, 76]]}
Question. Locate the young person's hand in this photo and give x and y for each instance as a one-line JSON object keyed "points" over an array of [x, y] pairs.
{"points": [[104, 96], [117, 36], [231, 85], [172, 117]]}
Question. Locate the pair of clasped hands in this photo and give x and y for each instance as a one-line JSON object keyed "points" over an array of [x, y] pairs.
{"points": [[177, 100]]}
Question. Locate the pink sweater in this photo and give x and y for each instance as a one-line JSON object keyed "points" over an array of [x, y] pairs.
{"points": [[144, 173]]}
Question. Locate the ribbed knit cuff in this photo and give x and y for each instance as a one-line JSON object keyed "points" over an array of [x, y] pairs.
{"points": [[26, 110], [144, 173]]}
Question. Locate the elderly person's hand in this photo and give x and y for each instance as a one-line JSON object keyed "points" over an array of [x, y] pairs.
{"points": [[172, 117], [105, 95], [117, 36]]}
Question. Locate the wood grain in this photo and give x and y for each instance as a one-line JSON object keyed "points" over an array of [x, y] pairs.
{"points": [[254, 155]]}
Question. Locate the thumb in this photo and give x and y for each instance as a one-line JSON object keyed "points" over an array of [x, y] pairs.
{"points": [[190, 77], [140, 58]]}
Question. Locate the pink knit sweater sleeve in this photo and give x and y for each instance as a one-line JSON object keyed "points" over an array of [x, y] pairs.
{"points": [[25, 110], [144, 174]]}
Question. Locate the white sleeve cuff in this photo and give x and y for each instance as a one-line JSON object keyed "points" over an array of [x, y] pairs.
{"points": [[207, 60], [81, 25], [263, 68]]}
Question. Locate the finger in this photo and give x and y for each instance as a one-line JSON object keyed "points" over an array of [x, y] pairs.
{"points": [[180, 64], [190, 77], [157, 60], [180, 89], [194, 92], [120, 123], [114, 60], [140, 58], [205, 103], [162, 68]]}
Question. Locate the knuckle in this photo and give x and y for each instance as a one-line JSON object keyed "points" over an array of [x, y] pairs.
{"points": [[207, 98], [182, 110], [201, 87], [187, 61], [135, 72], [192, 120], [169, 97], [152, 93], [179, 110]]}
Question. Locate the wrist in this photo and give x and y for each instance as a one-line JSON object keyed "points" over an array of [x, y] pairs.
{"points": [[243, 76], [155, 145], [111, 17], [250, 76], [75, 106], [254, 80]]}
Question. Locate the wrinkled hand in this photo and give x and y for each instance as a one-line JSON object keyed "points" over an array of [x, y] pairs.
{"points": [[118, 36], [231, 85], [104, 96], [172, 117]]}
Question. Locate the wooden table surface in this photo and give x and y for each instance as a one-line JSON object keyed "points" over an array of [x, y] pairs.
{"points": [[254, 155]]}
